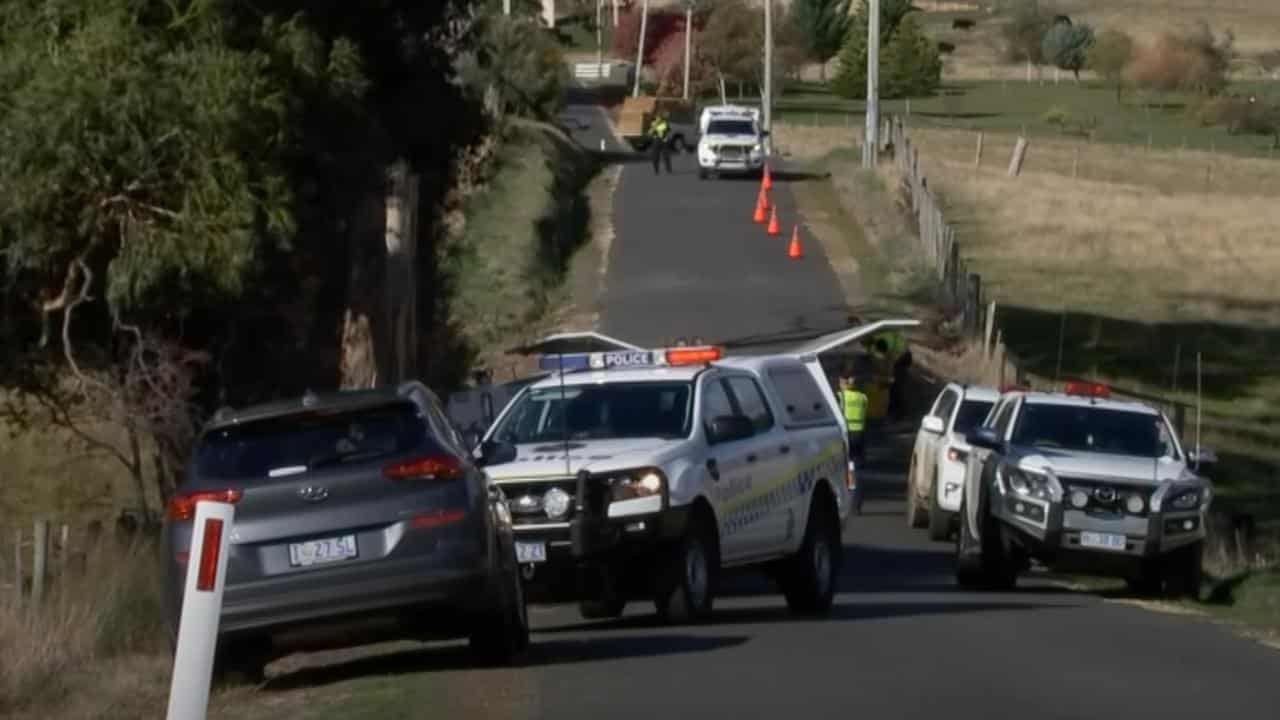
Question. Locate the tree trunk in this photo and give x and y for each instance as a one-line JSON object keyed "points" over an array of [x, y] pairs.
{"points": [[135, 470], [364, 356]]}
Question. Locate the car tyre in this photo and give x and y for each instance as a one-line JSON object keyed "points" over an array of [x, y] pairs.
{"points": [[502, 637], [983, 563], [810, 576], [686, 585], [939, 519]]}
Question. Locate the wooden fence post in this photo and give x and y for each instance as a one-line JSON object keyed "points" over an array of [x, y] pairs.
{"points": [[39, 561], [64, 549], [1019, 155], [19, 577], [987, 348], [977, 157], [1075, 162], [973, 301]]}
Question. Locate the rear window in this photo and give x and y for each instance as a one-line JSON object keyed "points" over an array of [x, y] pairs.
{"points": [[308, 441], [971, 415], [801, 397]]}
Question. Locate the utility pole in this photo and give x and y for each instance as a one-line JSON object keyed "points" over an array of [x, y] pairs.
{"points": [[688, 44], [768, 66], [599, 39], [644, 21], [506, 7], [615, 13], [871, 138]]}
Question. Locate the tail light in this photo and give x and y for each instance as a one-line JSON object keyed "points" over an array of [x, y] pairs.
{"points": [[183, 505], [430, 467]]}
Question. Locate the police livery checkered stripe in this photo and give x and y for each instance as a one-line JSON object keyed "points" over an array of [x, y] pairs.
{"points": [[751, 508]]}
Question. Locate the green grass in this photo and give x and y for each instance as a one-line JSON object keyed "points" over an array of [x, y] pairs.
{"points": [[1165, 120]]}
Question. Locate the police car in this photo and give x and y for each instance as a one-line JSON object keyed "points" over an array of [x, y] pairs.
{"points": [[938, 458], [643, 473], [1082, 482], [730, 141]]}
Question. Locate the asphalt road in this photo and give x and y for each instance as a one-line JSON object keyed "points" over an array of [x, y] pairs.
{"points": [[903, 641]]}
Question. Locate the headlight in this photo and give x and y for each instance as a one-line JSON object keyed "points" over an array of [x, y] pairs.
{"points": [[1188, 500], [1037, 485], [556, 503], [1079, 499], [636, 484], [756, 149], [1134, 504]]}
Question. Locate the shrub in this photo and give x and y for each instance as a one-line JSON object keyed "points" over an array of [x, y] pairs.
{"points": [[1110, 55], [1196, 61], [910, 64], [1066, 46], [945, 47], [1056, 116], [1023, 35]]}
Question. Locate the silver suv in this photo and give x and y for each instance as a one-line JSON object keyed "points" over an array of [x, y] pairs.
{"points": [[359, 516], [1081, 482]]}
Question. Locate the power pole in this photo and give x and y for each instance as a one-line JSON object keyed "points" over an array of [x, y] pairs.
{"points": [[871, 139], [506, 7], [599, 40], [768, 66], [615, 13], [644, 21], [688, 44]]}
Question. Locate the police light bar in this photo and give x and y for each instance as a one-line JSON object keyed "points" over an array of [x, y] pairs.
{"points": [[622, 359], [1087, 389]]}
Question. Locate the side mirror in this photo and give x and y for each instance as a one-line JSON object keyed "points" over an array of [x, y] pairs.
{"points": [[728, 428], [985, 438], [1203, 456], [933, 424], [765, 133], [496, 452]]}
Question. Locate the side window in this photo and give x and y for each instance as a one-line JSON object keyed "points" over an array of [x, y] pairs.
{"points": [[801, 397], [946, 404], [1004, 418], [715, 400], [752, 403]]}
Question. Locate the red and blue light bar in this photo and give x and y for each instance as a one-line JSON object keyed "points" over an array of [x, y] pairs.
{"points": [[626, 359]]}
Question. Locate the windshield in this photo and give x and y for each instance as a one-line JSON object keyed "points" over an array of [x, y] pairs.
{"points": [[971, 415], [296, 443], [731, 127], [1091, 429], [599, 412]]}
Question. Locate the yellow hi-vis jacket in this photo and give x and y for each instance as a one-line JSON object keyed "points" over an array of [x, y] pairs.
{"points": [[854, 403]]}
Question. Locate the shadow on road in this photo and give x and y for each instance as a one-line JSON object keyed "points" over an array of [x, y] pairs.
{"points": [[845, 612], [541, 652]]}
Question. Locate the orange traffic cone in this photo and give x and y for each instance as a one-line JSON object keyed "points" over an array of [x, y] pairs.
{"points": [[793, 250], [762, 204], [766, 182], [773, 222]]}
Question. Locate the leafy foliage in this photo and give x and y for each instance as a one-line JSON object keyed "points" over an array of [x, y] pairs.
{"points": [[823, 25], [1067, 46], [515, 67], [910, 63], [1029, 21], [1110, 55], [1195, 61]]}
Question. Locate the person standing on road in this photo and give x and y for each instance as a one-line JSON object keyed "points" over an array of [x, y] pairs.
{"points": [[660, 138], [854, 403]]}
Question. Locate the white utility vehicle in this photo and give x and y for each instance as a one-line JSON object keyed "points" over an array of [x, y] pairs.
{"points": [[935, 481], [730, 141], [642, 473]]}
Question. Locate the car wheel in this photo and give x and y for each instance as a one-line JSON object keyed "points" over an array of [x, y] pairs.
{"points": [[686, 586], [809, 579], [983, 563], [968, 561], [1183, 572], [939, 519], [916, 515], [502, 637]]}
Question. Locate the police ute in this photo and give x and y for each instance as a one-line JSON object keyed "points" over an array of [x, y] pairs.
{"points": [[730, 141], [1083, 482], [642, 473]]}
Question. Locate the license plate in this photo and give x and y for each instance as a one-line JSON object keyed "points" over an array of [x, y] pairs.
{"points": [[1102, 541], [318, 552], [527, 552]]}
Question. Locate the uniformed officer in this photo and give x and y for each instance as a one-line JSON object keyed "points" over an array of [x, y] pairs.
{"points": [[660, 137], [854, 403]]}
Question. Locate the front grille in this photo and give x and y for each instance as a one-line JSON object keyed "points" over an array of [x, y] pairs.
{"points": [[524, 497], [1105, 498], [729, 152]]}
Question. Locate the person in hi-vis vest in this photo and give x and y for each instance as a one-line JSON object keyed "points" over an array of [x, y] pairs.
{"points": [[854, 403]]}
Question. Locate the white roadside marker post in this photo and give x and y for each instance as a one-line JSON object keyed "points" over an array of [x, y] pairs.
{"points": [[201, 606]]}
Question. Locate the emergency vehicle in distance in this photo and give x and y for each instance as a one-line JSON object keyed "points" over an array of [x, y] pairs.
{"points": [[1080, 481], [730, 140], [642, 473]]}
